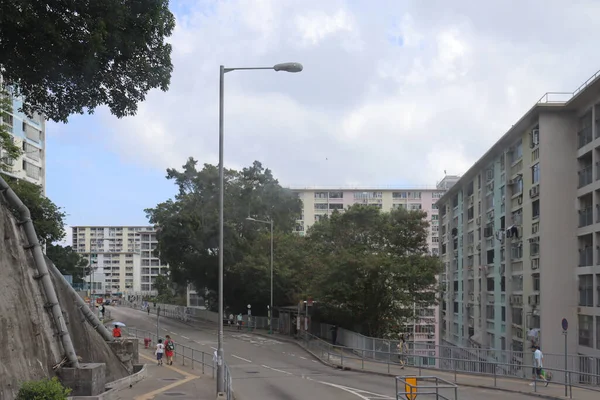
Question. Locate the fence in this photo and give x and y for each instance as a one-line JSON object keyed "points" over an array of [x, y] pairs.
{"points": [[584, 369], [194, 357], [193, 314], [460, 370]]}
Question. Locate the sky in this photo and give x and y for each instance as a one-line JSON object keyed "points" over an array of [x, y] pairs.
{"points": [[393, 93]]}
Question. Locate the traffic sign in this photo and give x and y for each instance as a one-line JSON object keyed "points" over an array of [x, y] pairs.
{"points": [[410, 387], [565, 324]]}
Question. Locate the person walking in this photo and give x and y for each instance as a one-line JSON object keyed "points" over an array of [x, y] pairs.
{"points": [[239, 321], [538, 365], [116, 332], [160, 350], [169, 349], [402, 350], [231, 319]]}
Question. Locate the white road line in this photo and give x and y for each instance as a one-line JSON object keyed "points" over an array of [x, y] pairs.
{"points": [[195, 341], [166, 330], [173, 333], [214, 348], [314, 360], [304, 358], [185, 337], [354, 391], [241, 358], [278, 370]]}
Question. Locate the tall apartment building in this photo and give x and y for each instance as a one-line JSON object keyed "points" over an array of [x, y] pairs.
{"points": [[30, 135], [123, 257], [317, 203], [520, 236]]}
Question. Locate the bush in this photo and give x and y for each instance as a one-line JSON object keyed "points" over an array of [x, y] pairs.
{"points": [[45, 389]]}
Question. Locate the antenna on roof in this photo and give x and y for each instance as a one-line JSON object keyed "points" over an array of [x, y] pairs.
{"points": [[444, 172]]}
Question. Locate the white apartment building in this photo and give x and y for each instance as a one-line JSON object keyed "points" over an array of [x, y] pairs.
{"points": [[30, 135], [123, 257], [319, 202], [521, 238]]}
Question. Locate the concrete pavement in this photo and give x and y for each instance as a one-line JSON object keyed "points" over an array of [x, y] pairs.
{"points": [[270, 368]]}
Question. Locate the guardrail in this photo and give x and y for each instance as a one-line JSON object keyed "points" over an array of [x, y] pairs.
{"points": [[194, 357], [424, 385], [457, 369]]}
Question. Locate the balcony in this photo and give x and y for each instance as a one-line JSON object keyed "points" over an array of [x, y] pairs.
{"points": [[585, 176], [586, 217], [586, 257], [584, 136]]}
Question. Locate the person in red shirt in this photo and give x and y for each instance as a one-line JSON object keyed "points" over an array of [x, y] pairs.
{"points": [[116, 332], [169, 349]]}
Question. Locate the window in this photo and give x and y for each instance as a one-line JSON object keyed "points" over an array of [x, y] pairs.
{"points": [[534, 249], [368, 195], [414, 206], [435, 217], [435, 239], [517, 283], [336, 195], [321, 206], [535, 209], [586, 290], [31, 151], [536, 282], [32, 171], [516, 250], [437, 195], [517, 316], [320, 195], [399, 195], [586, 330], [335, 206], [434, 206], [535, 174], [517, 153], [470, 213], [490, 311], [503, 311]]}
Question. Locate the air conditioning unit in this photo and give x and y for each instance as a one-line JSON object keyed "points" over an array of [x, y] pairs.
{"points": [[534, 191], [478, 246], [478, 221], [535, 264], [512, 181]]}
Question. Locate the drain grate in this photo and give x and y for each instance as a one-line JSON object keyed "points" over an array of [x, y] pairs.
{"points": [[169, 379], [252, 372], [173, 394]]}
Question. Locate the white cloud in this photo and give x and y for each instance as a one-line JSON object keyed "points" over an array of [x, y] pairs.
{"points": [[389, 94]]}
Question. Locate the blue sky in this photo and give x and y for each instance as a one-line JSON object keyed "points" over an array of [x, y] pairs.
{"points": [[390, 96]]}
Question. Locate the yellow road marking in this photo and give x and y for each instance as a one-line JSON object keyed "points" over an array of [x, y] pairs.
{"points": [[150, 395]]}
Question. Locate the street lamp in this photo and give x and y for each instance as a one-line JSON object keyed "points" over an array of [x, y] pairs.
{"points": [[286, 67], [270, 222]]}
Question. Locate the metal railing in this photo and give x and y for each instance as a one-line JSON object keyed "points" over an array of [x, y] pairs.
{"points": [[194, 357], [460, 370], [411, 386]]}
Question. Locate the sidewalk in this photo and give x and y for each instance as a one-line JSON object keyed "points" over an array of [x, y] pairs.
{"points": [[169, 382]]}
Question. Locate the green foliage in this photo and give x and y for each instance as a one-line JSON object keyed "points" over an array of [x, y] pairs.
{"points": [[48, 219], [9, 151], [45, 389], [189, 231], [372, 268], [68, 261], [67, 57], [163, 285]]}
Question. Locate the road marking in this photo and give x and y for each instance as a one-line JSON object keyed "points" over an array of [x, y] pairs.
{"points": [[304, 358], [278, 370], [314, 360], [195, 341], [150, 395], [356, 392], [185, 337], [241, 358], [213, 348], [166, 330], [173, 332]]}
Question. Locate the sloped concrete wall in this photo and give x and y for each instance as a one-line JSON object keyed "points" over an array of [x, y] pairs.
{"points": [[29, 347]]}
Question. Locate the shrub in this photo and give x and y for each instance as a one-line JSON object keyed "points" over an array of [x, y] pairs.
{"points": [[45, 389]]}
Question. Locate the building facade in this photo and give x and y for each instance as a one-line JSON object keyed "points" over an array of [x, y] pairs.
{"points": [[520, 236], [30, 135], [317, 203], [123, 258]]}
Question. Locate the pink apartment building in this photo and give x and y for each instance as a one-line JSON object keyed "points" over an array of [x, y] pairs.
{"points": [[318, 202]]}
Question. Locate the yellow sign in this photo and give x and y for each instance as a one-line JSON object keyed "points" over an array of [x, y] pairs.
{"points": [[410, 387]]}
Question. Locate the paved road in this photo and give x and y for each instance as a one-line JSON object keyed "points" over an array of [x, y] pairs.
{"points": [[265, 368]]}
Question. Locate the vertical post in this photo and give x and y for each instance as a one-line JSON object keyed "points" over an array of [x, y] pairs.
{"points": [[271, 309], [566, 364], [157, 315], [220, 372]]}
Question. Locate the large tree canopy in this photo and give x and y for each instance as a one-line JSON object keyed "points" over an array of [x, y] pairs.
{"points": [[48, 219], [372, 268], [65, 57], [188, 226]]}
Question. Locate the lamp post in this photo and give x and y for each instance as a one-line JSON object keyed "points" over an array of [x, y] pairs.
{"points": [[269, 222], [286, 67]]}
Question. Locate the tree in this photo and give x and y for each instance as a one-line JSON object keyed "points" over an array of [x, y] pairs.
{"points": [[163, 286], [68, 261], [48, 219], [9, 151], [65, 57], [188, 224], [372, 268]]}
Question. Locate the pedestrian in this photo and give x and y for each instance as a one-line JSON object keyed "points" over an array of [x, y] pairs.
{"points": [[538, 365], [231, 319], [148, 309], [334, 332], [239, 321], [169, 349], [160, 349], [402, 350], [116, 332]]}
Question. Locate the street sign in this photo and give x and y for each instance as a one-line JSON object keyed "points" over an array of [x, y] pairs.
{"points": [[565, 324], [410, 387]]}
